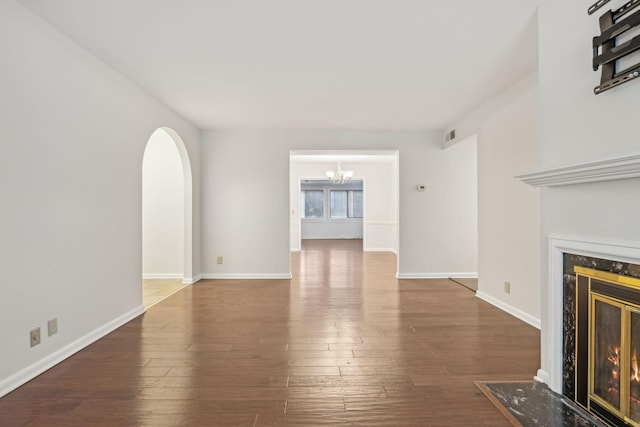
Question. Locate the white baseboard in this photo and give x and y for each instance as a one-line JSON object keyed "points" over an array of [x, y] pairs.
{"points": [[542, 376], [191, 280], [435, 275], [379, 250], [464, 275], [510, 309], [30, 372], [251, 276], [162, 276]]}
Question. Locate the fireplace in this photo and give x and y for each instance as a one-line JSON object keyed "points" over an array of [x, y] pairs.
{"points": [[602, 340], [588, 215]]}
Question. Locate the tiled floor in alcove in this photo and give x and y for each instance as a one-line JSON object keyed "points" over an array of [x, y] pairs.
{"points": [[155, 290]]}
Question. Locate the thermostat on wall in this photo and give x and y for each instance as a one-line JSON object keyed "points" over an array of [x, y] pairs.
{"points": [[421, 187]]}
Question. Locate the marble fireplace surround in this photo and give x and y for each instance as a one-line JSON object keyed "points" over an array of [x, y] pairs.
{"points": [[552, 323], [552, 292]]}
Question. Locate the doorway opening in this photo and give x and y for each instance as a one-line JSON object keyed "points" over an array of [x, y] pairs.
{"points": [[166, 217], [372, 190]]}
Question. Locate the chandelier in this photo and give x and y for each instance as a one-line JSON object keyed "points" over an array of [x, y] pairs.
{"points": [[339, 176]]}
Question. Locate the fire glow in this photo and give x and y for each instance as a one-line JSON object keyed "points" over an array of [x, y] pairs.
{"points": [[613, 358], [634, 367]]}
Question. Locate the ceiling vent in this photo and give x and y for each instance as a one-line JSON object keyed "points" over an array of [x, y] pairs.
{"points": [[450, 136]]}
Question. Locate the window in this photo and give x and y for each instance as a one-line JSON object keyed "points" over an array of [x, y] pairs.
{"points": [[338, 204], [313, 204], [322, 201], [355, 204], [346, 204]]}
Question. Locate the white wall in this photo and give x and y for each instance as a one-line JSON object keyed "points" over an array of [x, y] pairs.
{"points": [[508, 210], [342, 228], [74, 133], [460, 196], [438, 227], [246, 209], [380, 199], [162, 209], [577, 126]]}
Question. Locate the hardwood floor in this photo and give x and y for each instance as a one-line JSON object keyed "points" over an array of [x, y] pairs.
{"points": [[343, 343], [471, 284]]}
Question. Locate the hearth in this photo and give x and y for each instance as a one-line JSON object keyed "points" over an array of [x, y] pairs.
{"points": [[602, 344]]}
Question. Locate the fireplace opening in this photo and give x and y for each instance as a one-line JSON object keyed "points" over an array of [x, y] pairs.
{"points": [[606, 345]]}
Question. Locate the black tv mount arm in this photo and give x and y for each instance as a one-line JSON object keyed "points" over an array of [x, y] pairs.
{"points": [[597, 5], [606, 51]]}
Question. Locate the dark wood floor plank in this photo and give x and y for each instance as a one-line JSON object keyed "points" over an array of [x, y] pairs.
{"points": [[342, 343]]}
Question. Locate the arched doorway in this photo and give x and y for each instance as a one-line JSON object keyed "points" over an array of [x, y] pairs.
{"points": [[166, 216]]}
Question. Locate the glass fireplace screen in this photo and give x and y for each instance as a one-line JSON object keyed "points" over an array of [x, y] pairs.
{"points": [[613, 360]]}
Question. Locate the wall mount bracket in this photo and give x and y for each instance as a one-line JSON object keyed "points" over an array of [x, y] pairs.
{"points": [[607, 51], [596, 6]]}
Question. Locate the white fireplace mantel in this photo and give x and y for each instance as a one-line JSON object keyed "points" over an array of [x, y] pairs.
{"points": [[602, 170]]}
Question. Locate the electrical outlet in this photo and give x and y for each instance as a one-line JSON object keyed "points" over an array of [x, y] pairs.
{"points": [[219, 259], [52, 326], [507, 287], [35, 337]]}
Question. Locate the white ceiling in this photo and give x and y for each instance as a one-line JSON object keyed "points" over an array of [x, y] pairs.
{"points": [[309, 64], [350, 157]]}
